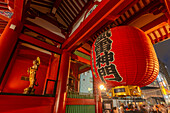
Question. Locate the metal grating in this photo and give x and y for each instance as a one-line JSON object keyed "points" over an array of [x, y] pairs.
{"points": [[80, 109]]}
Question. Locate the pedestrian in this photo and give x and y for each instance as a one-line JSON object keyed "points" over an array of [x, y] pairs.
{"points": [[114, 110], [122, 109], [156, 109], [162, 108], [142, 109]]}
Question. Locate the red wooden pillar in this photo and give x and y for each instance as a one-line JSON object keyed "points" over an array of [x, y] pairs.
{"points": [[100, 103], [75, 70], [97, 92], [61, 94], [48, 74], [8, 41]]}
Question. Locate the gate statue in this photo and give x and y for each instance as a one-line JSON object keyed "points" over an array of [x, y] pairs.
{"points": [[32, 77]]}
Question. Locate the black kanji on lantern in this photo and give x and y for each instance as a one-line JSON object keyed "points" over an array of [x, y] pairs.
{"points": [[103, 43], [111, 69], [104, 56]]}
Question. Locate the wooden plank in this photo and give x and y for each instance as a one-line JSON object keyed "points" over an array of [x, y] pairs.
{"points": [[46, 33], [40, 43]]}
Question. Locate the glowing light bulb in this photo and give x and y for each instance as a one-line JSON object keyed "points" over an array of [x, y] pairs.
{"points": [[101, 87]]}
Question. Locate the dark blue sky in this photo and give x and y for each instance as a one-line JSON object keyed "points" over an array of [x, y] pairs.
{"points": [[163, 52]]}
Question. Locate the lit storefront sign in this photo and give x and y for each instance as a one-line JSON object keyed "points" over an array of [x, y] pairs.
{"points": [[164, 87]]}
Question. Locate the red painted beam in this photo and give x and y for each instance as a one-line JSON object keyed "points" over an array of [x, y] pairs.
{"points": [[1, 30], [3, 4], [57, 3], [3, 1], [3, 23], [127, 7], [46, 33], [167, 3], [4, 18], [156, 27], [111, 19], [18, 9], [145, 10], [2, 26], [80, 59], [39, 43], [4, 8], [155, 22], [92, 23], [78, 101], [84, 70], [10, 5], [83, 51]]}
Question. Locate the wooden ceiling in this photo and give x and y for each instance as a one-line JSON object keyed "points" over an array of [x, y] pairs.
{"points": [[67, 20]]}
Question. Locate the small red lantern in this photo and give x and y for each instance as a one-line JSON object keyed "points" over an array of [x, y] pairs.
{"points": [[124, 56]]}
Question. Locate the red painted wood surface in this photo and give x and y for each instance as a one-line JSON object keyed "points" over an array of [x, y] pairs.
{"points": [[18, 9], [40, 43], [155, 22], [61, 94], [97, 94], [75, 69], [46, 33], [23, 60], [25, 104], [51, 75], [82, 50], [78, 101], [8, 41], [80, 59], [167, 3]]}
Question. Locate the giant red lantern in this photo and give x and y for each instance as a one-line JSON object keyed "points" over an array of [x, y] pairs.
{"points": [[124, 56]]}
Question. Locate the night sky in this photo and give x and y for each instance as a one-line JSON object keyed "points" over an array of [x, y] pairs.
{"points": [[163, 52]]}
